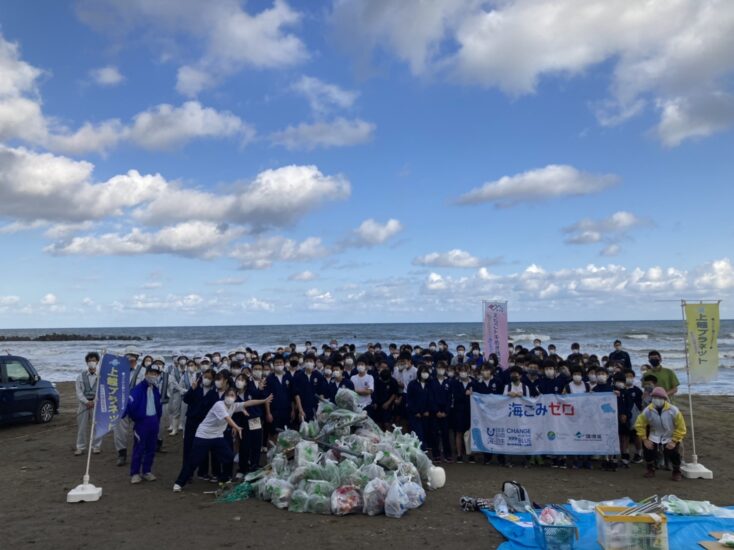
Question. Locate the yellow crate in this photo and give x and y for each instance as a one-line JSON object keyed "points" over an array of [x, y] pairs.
{"points": [[617, 532]]}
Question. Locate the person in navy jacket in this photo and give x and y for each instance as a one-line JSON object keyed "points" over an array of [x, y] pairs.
{"points": [[338, 381], [384, 396], [308, 385], [145, 410], [551, 383], [443, 393], [279, 412], [460, 411], [422, 407], [199, 399]]}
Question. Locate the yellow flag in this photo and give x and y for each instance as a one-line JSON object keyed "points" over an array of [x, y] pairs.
{"points": [[702, 321]]}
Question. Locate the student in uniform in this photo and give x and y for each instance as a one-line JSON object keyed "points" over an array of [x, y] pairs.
{"points": [[422, 407], [383, 400], [487, 384], [577, 383], [199, 398], [86, 394], [309, 386], [338, 381], [635, 396], [624, 411], [551, 383], [145, 410], [176, 389], [364, 384], [460, 412], [279, 411], [442, 391], [210, 436]]}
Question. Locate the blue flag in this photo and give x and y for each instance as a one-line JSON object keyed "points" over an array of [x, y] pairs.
{"points": [[114, 375]]}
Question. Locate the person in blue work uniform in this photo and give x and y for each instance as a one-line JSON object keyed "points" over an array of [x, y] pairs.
{"points": [[308, 385], [199, 399], [144, 409], [279, 412], [421, 407], [442, 388]]}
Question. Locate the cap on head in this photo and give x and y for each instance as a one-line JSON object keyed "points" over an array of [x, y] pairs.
{"points": [[659, 392], [204, 360], [132, 350], [159, 359], [155, 367]]}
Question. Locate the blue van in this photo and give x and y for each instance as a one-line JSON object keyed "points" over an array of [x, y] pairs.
{"points": [[23, 395]]}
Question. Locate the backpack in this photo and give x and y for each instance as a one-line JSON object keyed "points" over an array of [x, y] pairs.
{"points": [[516, 496]]}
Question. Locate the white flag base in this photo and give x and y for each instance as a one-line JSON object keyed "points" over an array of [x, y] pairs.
{"points": [[694, 470], [86, 492]]}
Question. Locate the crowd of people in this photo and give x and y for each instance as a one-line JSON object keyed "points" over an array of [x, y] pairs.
{"points": [[229, 406]]}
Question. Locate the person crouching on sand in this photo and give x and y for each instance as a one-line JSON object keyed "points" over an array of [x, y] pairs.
{"points": [[145, 410], [661, 426]]}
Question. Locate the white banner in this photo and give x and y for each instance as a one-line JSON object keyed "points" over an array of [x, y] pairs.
{"points": [[495, 331], [576, 424]]}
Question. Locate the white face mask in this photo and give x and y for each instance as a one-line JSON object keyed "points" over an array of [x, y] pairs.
{"points": [[441, 372], [192, 368], [361, 369], [619, 385], [92, 365], [327, 372], [602, 378], [240, 384], [147, 363], [461, 352], [182, 361], [240, 356], [152, 379], [349, 362], [550, 373], [424, 376], [278, 369], [257, 374], [236, 372], [630, 382], [659, 402], [450, 374], [229, 401], [206, 382], [218, 384], [463, 375], [205, 367], [577, 378], [308, 366], [592, 378]]}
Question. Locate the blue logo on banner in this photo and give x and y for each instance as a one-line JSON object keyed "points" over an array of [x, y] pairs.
{"points": [[551, 436], [607, 408]]}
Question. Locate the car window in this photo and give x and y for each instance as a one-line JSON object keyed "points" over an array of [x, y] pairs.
{"points": [[16, 372]]}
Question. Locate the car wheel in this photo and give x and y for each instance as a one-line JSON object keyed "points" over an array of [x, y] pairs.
{"points": [[45, 412]]}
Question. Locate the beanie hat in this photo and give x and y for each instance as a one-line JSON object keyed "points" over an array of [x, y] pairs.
{"points": [[660, 392]]}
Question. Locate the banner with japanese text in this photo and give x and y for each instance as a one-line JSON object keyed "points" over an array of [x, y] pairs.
{"points": [[113, 392], [575, 424], [495, 331], [702, 322]]}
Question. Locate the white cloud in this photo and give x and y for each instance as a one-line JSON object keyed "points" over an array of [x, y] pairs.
{"points": [[88, 138], [275, 197], [657, 52], [339, 132], [434, 281], [263, 252], [228, 37], [303, 276], [318, 300], [550, 182], [167, 127], [611, 250], [107, 76], [17, 227], [192, 239], [371, 232], [322, 96], [256, 304], [694, 117], [187, 303], [49, 300], [611, 229], [453, 258], [718, 275], [227, 281], [9, 300], [88, 302]]}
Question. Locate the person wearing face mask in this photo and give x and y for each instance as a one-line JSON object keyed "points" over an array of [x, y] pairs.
{"points": [[200, 397], [635, 396], [577, 383], [144, 408], [661, 427], [176, 389], [442, 392], [550, 383], [620, 356], [86, 394], [421, 407], [624, 416], [123, 428], [338, 381], [667, 379], [460, 412], [531, 377], [516, 387], [383, 399], [602, 381], [443, 353], [460, 357], [575, 356], [210, 437], [476, 359], [278, 412], [538, 350], [364, 384], [309, 385], [649, 382]]}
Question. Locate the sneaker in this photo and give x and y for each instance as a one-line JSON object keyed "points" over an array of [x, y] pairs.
{"points": [[459, 460], [136, 479], [177, 488], [121, 457], [96, 451], [203, 478], [677, 476], [637, 459], [472, 460], [78, 452], [173, 433], [239, 477], [448, 461], [649, 473], [149, 477], [213, 479]]}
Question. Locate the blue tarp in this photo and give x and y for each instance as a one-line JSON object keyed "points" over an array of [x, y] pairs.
{"points": [[683, 531]]}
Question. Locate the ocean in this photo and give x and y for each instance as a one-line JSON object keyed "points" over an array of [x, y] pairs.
{"points": [[62, 361]]}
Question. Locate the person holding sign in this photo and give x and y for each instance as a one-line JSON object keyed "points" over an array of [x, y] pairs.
{"points": [[86, 393], [661, 427]]}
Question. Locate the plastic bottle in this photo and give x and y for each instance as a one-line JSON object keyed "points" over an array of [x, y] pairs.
{"points": [[500, 505]]}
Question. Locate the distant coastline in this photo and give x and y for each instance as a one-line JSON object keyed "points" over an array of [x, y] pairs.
{"points": [[56, 337]]}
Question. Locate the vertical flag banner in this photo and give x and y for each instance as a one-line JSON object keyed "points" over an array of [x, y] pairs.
{"points": [[702, 323], [495, 331], [113, 392]]}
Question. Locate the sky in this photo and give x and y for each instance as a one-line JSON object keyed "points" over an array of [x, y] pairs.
{"points": [[219, 162]]}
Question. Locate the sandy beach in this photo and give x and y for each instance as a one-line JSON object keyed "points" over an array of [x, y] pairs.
{"points": [[38, 469]]}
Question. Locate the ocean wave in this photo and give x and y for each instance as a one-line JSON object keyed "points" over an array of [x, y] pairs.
{"points": [[637, 336], [529, 337]]}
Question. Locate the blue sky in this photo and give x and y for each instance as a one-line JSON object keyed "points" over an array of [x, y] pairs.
{"points": [[185, 162]]}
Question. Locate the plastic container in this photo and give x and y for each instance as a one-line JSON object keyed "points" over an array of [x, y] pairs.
{"points": [[643, 532], [554, 537]]}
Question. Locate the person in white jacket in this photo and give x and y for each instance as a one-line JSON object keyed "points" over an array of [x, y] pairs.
{"points": [[86, 395], [176, 388]]}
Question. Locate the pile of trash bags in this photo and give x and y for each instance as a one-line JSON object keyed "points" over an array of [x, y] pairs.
{"points": [[342, 463]]}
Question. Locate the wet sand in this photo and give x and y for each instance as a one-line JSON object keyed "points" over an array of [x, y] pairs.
{"points": [[38, 469]]}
